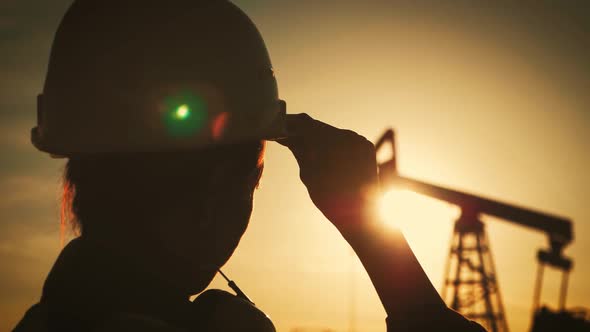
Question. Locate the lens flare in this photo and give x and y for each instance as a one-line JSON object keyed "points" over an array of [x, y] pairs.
{"points": [[219, 125], [182, 112]]}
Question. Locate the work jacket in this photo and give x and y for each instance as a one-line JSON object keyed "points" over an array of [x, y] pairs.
{"points": [[82, 293]]}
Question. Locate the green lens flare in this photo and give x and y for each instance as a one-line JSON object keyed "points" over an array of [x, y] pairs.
{"points": [[185, 115], [183, 112]]}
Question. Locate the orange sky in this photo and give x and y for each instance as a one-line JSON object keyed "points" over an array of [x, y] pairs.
{"points": [[491, 100]]}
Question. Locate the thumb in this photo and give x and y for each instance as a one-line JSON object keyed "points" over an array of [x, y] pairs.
{"points": [[299, 127], [287, 142], [295, 144]]}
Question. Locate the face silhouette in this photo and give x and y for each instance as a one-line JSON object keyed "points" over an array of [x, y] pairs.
{"points": [[208, 215], [180, 215], [204, 230]]}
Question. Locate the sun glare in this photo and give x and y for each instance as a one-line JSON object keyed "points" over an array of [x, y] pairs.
{"points": [[426, 223], [414, 213]]}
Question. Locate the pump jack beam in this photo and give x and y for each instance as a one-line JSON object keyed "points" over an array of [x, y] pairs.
{"points": [[559, 229]]}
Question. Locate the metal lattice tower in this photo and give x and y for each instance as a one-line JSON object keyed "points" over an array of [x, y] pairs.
{"points": [[471, 286]]}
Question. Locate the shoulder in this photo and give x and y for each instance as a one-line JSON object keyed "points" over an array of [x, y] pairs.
{"points": [[228, 312], [135, 322], [213, 310], [34, 320]]}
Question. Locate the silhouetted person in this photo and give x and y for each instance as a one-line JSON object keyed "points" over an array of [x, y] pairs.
{"points": [[162, 109]]}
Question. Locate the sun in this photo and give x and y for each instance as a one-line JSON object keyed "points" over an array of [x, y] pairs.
{"points": [[407, 210], [427, 225]]}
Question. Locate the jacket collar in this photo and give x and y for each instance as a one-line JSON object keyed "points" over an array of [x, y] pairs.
{"points": [[88, 283]]}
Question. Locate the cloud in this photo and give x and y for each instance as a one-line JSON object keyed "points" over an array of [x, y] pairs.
{"points": [[26, 244], [7, 22], [29, 211], [20, 190], [29, 237], [26, 33], [16, 135], [25, 261]]}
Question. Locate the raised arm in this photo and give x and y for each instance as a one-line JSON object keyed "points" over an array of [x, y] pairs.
{"points": [[339, 169]]}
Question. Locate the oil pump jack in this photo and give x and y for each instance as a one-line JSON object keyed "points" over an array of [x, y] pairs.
{"points": [[471, 284]]}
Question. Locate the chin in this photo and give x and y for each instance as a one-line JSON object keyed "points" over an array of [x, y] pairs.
{"points": [[199, 280]]}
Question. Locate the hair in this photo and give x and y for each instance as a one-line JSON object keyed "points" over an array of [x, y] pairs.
{"points": [[103, 193]]}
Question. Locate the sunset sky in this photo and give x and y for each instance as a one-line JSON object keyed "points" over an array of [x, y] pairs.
{"points": [[492, 99]]}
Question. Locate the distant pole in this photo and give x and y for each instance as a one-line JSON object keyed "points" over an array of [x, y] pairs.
{"points": [[563, 291], [352, 308]]}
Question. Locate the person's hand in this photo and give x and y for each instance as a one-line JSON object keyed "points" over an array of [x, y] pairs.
{"points": [[337, 166], [339, 169]]}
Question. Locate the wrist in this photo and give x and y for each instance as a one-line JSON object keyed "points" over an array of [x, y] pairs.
{"points": [[358, 228], [349, 211]]}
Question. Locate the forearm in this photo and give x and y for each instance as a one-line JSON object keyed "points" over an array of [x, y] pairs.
{"points": [[339, 168], [400, 281]]}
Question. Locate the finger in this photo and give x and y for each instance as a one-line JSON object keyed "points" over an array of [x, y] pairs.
{"points": [[287, 141], [301, 129], [296, 145], [298, 124], [293, 143], [304, 125]]}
